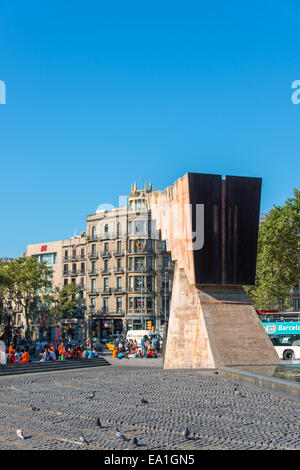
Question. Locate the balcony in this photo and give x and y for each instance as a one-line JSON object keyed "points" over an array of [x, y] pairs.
{"points": [[165, 268], [93, 255], [140, 290], [141, 251], [119, 290], [140, 269], [105, 290], [66, 273], [93, 291], [105, 254], [73, 258], [81, 257], [66, 259], [105, 271], [92, 272], [118, 271], [74, 273], [119, 253], [107, 236]]}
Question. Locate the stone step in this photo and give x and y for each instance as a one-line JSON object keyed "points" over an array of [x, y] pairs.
{"points": [[35, 367]]}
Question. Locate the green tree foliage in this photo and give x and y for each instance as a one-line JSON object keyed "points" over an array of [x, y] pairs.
{"points": [[64, 301], [278, 256], [28, 282]]}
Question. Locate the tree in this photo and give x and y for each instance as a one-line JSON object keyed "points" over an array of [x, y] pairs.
{"points": [[64, 300], [27, 283], [278, 256]]}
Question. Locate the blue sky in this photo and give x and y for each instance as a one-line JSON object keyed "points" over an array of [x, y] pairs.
{"points": [[102, 94]]}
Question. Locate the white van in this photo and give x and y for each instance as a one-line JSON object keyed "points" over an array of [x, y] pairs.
{"points": [[139, 334]]}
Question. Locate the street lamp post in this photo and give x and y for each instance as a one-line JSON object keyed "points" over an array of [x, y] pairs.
{"points": [[8, 316]]}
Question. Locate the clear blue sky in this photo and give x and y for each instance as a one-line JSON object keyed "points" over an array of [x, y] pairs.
{"points": [[101, 94]]}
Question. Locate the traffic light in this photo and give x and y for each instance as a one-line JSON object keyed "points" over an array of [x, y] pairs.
{"points": [[149, 325]]}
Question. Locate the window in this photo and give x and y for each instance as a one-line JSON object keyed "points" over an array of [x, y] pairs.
{"points": [[164, 245], [106, 247], [119, 247], [93, 266], [93, 231], [130, 302], [119, 304], [149, 280], [165, 261], [105, 304], [149, 262], [82, 267], [93, 302], [66, 254], [139, 282], [94, 248], [82, 281], [296, 305], [93, 285], [139, 262], [65, 282], [139, 303], [106, 228], [66, 269], [119, 283], [149, 303], [118, 229], [106, 265], [105, 282], [119, 263]]}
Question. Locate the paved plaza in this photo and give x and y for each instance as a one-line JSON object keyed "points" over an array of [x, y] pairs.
{"points": [[220, 413]]}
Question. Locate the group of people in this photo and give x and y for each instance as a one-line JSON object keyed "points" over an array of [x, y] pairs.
{"points": [[50, 351], [149, 348], [16, 355]]}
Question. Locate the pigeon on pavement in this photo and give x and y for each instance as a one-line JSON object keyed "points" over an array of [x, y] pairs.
{"points": [[144, 401], [186, 433], [120, 436], [99, 423], [134, 441], [83, 439], [20, 434]]}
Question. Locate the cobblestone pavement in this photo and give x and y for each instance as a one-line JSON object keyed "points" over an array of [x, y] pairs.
{"points": [[218, 416]]}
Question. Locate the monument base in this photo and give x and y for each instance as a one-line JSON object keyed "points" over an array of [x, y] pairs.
{"points": [[212, 326]]}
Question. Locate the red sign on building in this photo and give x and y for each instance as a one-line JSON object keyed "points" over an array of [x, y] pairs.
{"points": [[44, 248]]}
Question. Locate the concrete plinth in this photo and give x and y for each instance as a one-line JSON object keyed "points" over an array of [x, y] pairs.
{"points": [[212, 326]]}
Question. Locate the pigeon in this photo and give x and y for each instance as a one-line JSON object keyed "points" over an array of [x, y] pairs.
{"points": [[186, 433], [20, 434], [99, 423], [134, 441], [34, 408], [120, 436], [83, 439], [91, 396], [144, 401]]}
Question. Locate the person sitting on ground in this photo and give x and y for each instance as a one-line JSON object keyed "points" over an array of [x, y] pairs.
{"points": [[25, 357], [85, 354], [95, 353], [52, 355]]}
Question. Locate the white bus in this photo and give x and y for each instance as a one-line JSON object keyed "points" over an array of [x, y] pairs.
{"points": [[284, 332]]}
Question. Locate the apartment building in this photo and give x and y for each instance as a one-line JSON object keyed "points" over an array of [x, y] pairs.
{"points": [[130, 272]]}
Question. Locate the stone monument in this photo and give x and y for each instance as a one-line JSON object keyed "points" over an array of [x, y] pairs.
{"points": [[210, 225]]}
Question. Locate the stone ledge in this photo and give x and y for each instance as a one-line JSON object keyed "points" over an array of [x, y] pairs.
{"points": [[264, 381]]}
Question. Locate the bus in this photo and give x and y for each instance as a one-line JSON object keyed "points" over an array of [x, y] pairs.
{"points": [[283, 329]]}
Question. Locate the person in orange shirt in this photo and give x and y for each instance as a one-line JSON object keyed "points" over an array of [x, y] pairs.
{"points": [[11, 348], [25, 357]]}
